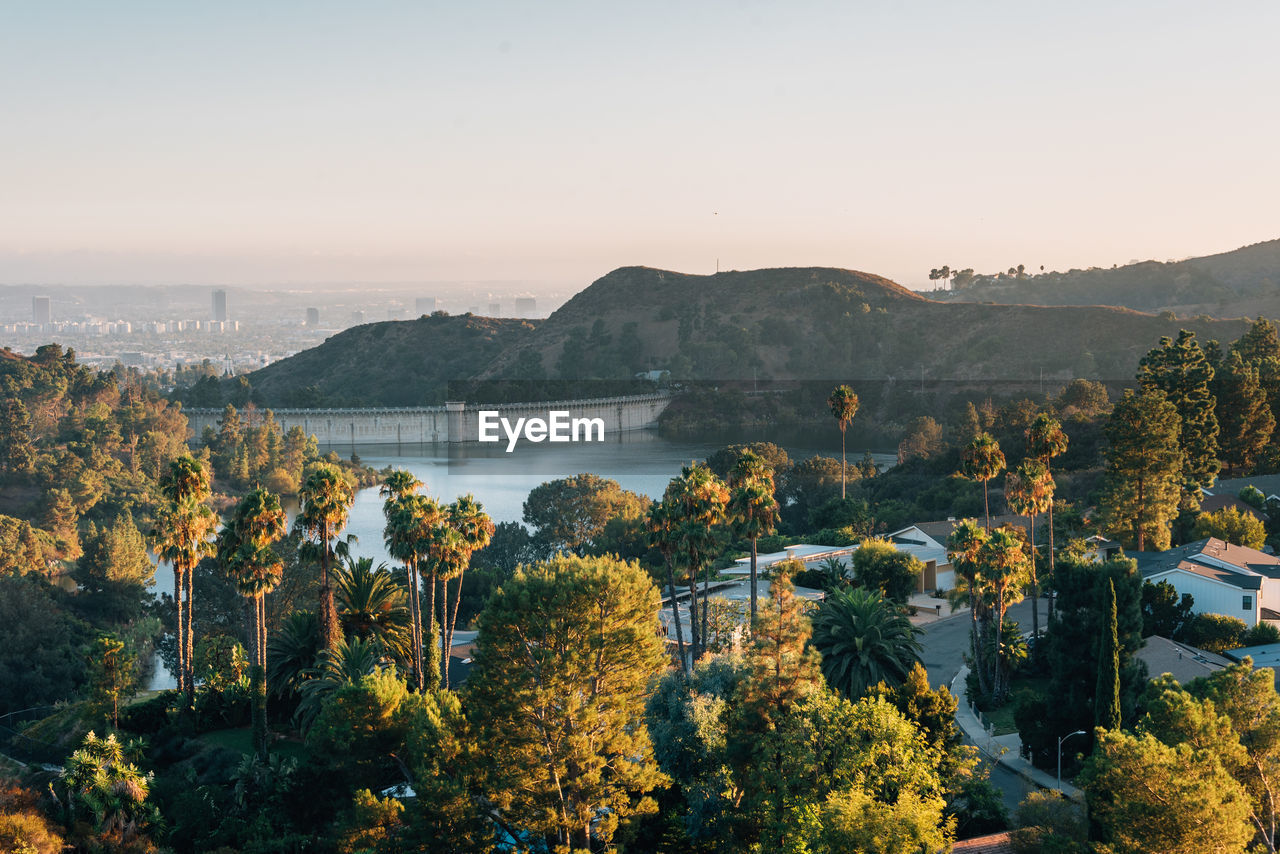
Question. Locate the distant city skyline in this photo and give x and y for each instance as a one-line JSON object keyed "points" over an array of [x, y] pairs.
{"points": [[239, 144]]}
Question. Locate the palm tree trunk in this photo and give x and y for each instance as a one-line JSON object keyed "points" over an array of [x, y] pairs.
{"points": [[415, 623], [1053, 578], [842, 464], [1035, 583], [706, 583], [975, 640], [431, 609], [753, 581], [190, 635], [986, 505], [453, 620], [180, 634], [444, 650], [675, 616], [693, 615], [329, 630], [997, 681]]}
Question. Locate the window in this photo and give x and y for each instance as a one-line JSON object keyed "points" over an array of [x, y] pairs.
{"points": [[1248, 603]]}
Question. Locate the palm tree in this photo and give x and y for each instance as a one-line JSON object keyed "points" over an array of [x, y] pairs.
{"points": [[475, 529], [661, 525], [864, 640], [698, 499], [244, 549], [963, 547], [752, 506], [344, 664], [1029, 491], [372, 605], [411, 522], [292, 651], [182, 537], [982, 461], [326, 499], [844, 405], [1003, 565], [1046, 440]]}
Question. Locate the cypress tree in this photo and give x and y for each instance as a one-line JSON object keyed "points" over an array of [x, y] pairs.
{"points": [[1180, 370], [1107, 697]]}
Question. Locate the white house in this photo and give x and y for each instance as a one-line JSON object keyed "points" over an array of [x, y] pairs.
{"points": [[1222, 578]]}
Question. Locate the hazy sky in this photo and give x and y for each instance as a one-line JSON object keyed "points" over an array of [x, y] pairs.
{"points": [[284, 141]]}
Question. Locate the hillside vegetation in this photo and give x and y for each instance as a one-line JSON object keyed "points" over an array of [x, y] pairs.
{"points": [[1242, 282], [779, 324]]}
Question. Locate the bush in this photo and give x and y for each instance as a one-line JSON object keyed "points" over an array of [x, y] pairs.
{"points": [[149, 716], [1215, 632], [1263, 633]]}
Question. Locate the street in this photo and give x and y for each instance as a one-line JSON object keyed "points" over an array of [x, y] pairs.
{"points": [[945, 643]]}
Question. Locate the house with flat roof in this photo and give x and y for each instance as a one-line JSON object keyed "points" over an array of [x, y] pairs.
{"points": [[1221, 577]]}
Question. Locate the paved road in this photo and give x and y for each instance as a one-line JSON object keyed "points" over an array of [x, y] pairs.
{"points": [[945, 643]]}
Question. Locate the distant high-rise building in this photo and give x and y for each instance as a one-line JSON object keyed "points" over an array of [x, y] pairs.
{"points": [[40, 310], [495, 309], [220, 305], [526, 306], [424, 305], [313, 317]]}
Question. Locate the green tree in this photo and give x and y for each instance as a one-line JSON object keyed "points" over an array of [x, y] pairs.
{"points": [[1045, 440], [112, 673], [864, 640], [103, 786], [246, 554], [410, 520], [752, 506], [372, 606], [1180, 370], [16, 448], [1003, 565], [696, 500], [1232, 526], [1107, 702], [1048, 822], [114, 555], [566, 714], [182, 536], [326, 499], [1029, 491], [963, 548], [1144, 468], [878, 565], [662, 525], [1146, 796], [1214, 632], [1245, 419], [567, 514], [1163, 612], [981, 461], [843, 403]]}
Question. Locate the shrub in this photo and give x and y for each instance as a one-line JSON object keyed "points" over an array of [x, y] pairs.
{"points": [[1215, 632]]}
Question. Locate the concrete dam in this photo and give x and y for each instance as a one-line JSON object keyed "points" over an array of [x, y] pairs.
{"points": [[454, 423]]}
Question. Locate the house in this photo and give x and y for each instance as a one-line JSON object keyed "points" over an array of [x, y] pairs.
{"points": [[1180, 661], [1212, 503], [1222, 578], [928, 542], [1267, 484], [1101, 549], [992, 843]]}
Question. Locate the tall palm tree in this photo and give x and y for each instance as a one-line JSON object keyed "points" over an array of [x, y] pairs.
{"points": [[1046, 440], [982, 461], [409, 517], [661, 524], [475, 529], [244, 549], [182, 536], [326, 500], [1004, 566], [752, 506], [864, 639], [1029, 491], [844, 406], [963, 548], [372, 605], [699, 499]]}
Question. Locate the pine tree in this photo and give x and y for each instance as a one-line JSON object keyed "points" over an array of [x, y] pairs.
{"points": [[1180, 370], [1144, 468], [1107, 702], [1245, 420]]}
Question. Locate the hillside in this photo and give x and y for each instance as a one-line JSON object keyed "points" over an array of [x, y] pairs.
{"points": [[394, 363], [810, 323], [1242, 282]]}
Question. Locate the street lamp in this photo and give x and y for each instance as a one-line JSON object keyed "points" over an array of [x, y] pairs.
{"points": [[1060, 740]]}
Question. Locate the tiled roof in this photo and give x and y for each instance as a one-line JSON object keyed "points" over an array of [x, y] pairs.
{"points": [[995, 843], [1203, 558]]}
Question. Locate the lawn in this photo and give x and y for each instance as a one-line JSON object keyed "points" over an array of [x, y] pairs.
{"points": [[1002, 718]]}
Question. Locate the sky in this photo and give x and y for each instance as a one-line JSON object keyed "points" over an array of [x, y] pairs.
{"points": [[288, 142]]}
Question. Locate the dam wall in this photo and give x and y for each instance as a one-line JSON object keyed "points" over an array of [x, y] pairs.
{"points": [[454, 423]]}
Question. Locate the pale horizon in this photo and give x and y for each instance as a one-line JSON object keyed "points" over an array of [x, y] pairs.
{"points": [[305, 144]]}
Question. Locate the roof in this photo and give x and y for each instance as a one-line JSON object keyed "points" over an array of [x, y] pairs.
{"points": [[1266, 655], [1213, 559], [942, 529], [1224, 500], [993, 843], [800, 551], [1267, 484], [1183, 662]]}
